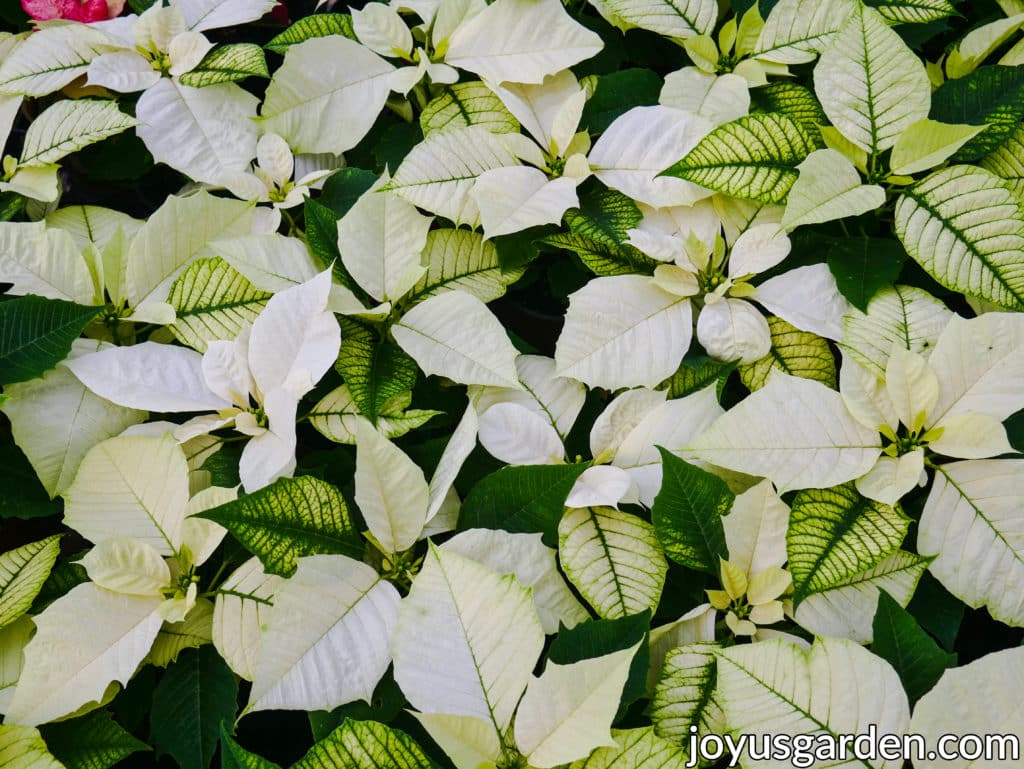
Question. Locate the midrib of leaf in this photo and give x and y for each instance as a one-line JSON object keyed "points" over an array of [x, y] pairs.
{"points": [[472, 651], [603, 541], [149, 514], [845, 525], [337, 622], [447, 346], [961, 238], [779, 695], [866, 63], [638, 323], [244, 596], [1019, 557]]}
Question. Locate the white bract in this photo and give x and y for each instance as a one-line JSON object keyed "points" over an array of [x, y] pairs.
{"points": [[131, 498], [271, 178], [206, 133], [253, 383], [514, 198]]}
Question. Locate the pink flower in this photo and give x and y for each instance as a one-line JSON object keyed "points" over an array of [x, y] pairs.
{"points": [[73, 10]]}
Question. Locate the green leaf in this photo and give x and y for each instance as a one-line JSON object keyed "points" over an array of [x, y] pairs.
{"points": [[521, 499], [22, 574], [68, 126], [991, 95], [322, 236], [374, 369], [335, 417], [1007, 162], [795, 352], [598, 231], [618, 92], [753, 158], [466, 104], [387, 703], [596, 638], [226, 64], [605, 216], [24, 496], [685, 695], [213, 301], [234, 756], [913, 11], [21, 747], [344, 187], [862, 266], [937, 610], [365, 745], [36, 334], [290, 518], [796, 101], [687, 514], [94, 741], [835, 534], [604, 259], [694, 374], [911, 651], [62, 579], [461, 260], [613, 558], [635, 749], [966, 228], [316, 25], [195, 695]]}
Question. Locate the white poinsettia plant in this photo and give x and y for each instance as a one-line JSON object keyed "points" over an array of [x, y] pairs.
{"points": [[509, 384]]}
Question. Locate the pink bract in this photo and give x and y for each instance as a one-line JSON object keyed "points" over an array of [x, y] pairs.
{"points": [[73, 10]]}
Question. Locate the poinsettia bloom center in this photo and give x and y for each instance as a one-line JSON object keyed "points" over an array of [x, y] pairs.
{"points": [[73, 10]]}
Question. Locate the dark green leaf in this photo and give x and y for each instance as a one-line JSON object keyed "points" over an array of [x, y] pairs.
{"points": [[937, 610], [862, 266], [696, 373], [322, 239], [911, 651], [36, 334], [795, 100], [617, 93], [603, 259], [605, 216], [521, 499], [65, 575], [288, 519], [234, 756], [517, 250], [344, 187], [317, 25], [94, 741], [687, 514], [365, 745], [395, 143], [23, 495], [196, 694], [374, 369], [596, 638], [992, 95]]}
